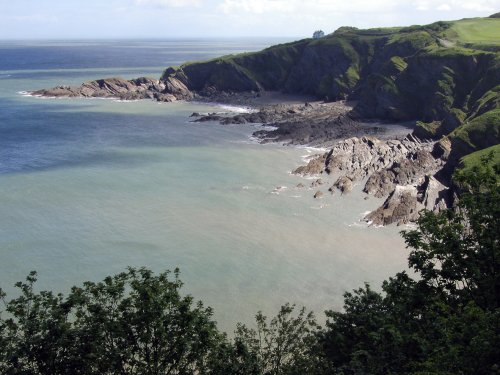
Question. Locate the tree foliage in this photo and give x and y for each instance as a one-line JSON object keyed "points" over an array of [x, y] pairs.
{"points": [[444, 321], [131, 323]]}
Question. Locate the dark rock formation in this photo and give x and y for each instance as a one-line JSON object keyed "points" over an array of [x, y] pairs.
{"points": [[168, 90]]}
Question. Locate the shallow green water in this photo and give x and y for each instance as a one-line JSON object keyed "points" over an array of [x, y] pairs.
{"points": [[89, 187]]}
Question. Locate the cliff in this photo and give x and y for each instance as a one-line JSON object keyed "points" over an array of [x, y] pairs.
{"points": [[444, 75]]}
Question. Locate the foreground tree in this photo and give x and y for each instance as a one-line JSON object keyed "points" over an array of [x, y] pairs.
{"points": [[286, 344], [458, 250], [131, 323], [447, 322]]}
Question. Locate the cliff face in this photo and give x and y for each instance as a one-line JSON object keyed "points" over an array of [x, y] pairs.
{"points": [[445, 76], [427, 73]]}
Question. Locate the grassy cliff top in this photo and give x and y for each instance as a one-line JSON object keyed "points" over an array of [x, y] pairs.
{"points": [[476, 31], [474, 159]]}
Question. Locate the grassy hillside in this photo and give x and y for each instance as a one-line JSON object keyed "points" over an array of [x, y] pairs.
{"points": [[474, 159], [477, 31], [444, 75]]}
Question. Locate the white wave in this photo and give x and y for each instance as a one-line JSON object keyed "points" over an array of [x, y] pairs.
{"points": [[278, 189], [266, 127], [311, 149], [359, 224], [123, 101], [235, 108], [320, 207]]}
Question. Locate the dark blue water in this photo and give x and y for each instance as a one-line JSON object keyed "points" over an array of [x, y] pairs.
{"points": [[120, 53], [38, 134]]}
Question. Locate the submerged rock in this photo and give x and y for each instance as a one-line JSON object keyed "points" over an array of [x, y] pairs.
{"points": [[317, 183], [318, 194]]}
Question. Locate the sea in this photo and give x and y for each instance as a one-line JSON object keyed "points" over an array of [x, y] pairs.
{"points": [[89, 187]]}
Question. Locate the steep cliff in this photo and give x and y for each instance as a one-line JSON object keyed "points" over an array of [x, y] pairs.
{"points": [[444, 75]]}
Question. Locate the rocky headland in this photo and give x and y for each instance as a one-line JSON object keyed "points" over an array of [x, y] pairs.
{"points": [[447, 87]]}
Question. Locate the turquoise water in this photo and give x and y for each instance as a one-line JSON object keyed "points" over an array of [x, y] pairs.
{"points": [[89, 187]]}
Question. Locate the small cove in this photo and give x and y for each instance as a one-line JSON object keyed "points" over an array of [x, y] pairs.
{"points": [[89, 187]]}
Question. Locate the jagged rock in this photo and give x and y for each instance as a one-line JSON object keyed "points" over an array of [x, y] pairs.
{"points": [[344, 184], [405, 202], [398, 169], [400, 207], [314, 167], [402, 172], [380, 184], [168, 98], [210, 117], [318, 195], [140, 88], [431, 195], [174, 86], [358, 158], [442, 149]]}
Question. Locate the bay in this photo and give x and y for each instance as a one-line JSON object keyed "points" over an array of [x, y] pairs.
{"points": [[89, 187]]}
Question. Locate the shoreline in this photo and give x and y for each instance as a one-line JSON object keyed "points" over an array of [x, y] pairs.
{"points": [[398, 166]]}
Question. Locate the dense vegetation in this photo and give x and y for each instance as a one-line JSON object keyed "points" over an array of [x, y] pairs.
{"points": [[444, 321]]}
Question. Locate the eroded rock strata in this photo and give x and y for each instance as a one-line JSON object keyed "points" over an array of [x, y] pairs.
{"points": [[448, 89], [402, 171], [167, 90]]}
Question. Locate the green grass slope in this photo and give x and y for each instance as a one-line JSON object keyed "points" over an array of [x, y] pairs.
{"points": [[474, 159], [476, 31], [444, 75], [480, 133]]}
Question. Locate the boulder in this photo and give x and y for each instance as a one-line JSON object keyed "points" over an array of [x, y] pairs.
{"points": [[318, 195], [344, 184]]}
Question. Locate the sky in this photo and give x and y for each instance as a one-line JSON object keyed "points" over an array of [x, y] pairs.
{"points": [[81, 19]]}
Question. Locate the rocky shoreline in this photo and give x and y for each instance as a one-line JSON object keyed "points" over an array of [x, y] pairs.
{"points": [[394, 165], [309, 123], [401, 171]]}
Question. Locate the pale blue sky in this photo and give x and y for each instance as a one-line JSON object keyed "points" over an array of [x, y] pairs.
{"points": [[67, 19]]}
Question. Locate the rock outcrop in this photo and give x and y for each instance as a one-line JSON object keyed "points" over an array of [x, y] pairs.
{"points": [[406, 201], [448, 87], [168, 90], [401, 171]]}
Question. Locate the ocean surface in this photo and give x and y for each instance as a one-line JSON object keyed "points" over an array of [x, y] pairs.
{"points": [[89, 187]]}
